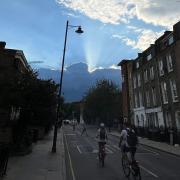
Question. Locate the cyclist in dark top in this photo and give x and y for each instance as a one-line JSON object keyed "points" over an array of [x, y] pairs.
{"points": [[102, 135]]}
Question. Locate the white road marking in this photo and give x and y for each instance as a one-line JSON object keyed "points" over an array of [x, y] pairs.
{"points": [[79, 149], [70, 161], [116, 147], [95, 151], [70, 134], [108, 151], [150, 150], [111, 148], [148, 171]]}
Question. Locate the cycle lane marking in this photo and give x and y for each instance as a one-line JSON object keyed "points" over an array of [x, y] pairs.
{"points": [[148, 171], [78, 148], [70, 161]]}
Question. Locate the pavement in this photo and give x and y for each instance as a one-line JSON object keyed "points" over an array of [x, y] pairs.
{"points": [[156, 145], [41, 164]]}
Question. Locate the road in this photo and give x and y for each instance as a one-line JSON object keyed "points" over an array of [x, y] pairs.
{"points": [[82, 162]]}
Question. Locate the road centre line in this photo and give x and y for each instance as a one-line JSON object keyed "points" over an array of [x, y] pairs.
{"points": [[79, 149], [70, 134], [110, 148], [70, 161], [116, 147], [148, 171]]}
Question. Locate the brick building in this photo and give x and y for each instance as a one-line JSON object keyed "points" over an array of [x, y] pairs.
{"points": [[12, 63], [151, 88], [126, 70]]}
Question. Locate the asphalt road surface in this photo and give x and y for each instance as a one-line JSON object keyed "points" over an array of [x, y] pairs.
{"points": [[82, 162]]}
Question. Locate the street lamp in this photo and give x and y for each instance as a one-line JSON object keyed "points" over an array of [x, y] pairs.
{"points": [[79, 31]]}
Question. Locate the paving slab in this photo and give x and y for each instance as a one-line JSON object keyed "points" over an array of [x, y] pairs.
{"points": [[41, 164]]}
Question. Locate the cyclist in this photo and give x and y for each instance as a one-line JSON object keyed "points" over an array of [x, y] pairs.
{"points": [[132, 141], [128, 142], [123, 140], [101, 135]]}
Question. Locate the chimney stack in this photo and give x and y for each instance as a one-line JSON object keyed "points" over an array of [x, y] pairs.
{"points": [[2, 45]]}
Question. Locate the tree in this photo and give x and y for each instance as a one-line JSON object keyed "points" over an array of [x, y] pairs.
{"points": [[102, 103], [72, 110], [36, 99]]}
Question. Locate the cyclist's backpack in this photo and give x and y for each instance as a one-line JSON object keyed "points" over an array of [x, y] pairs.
{"points": [[132, 139], [102, 134]]}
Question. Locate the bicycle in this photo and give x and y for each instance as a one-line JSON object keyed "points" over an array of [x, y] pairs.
{"points": [[102, 153], [130, 167]]}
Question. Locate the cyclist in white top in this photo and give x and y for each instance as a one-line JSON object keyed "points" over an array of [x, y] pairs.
{"points": [[128, 141], [101, 135], [123, 139]]}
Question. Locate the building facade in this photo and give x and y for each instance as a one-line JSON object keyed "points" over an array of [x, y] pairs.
{"points": [[151, 88], [126, 69], [12, 63]]}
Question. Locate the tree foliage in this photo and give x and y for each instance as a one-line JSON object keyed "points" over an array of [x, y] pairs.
{"points": [[72, 110], [36, 98], [102, 103]]}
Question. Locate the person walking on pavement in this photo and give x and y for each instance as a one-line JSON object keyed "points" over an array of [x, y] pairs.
{"points": [[84, 130]]}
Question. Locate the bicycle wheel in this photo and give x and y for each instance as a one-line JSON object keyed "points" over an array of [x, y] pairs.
{"points": [[125, 165], [136, 173], [102, 161]]}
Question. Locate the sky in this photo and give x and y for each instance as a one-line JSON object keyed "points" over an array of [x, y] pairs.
{"points": [[113, 29]]}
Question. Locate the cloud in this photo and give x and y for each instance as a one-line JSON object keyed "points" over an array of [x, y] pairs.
{"points": [[158, 12], [107, 11], [144, 39], [72, 15], [114, 66]]}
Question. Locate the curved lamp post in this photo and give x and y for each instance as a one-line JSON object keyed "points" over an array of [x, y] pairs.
{"points": [[79, 31]]}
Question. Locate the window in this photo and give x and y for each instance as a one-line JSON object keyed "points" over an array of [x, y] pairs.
{"points": [[177, 115], [142, 119], [137, 64], [168, 119], [161, 68], [171, 40], [169, 62], [152, 72], [146, 75], [140, 99], [136, 100], [122, 77], [164, 92], [137, 120], [153, 90], [151, 122], [164, 44], [134, 81], [174, 90], [139, 80], [149, 57], [130, 75], [147, 99]]}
